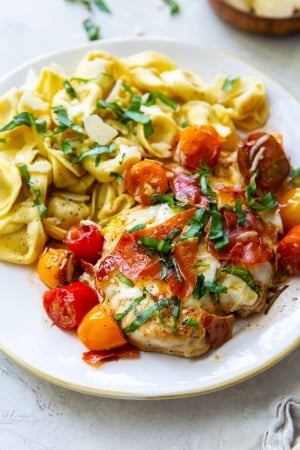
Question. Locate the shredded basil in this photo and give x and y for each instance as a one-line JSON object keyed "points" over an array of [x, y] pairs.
{"points": [[86, 3], [189, 322], [132, 306], [116, 176], [64, 121], [170, 199], [139, 226], [41, 207], [245, 275], [27, 119], [125, 280], [229, 83], [212, 287], [102, 6], [153, 96], [240, 213], [92, 30], [204, 172], [174, 7], [265, 203], [197, 224], [216, 230], [66, 147], [97, 151], [69, 89], [149, 312]]}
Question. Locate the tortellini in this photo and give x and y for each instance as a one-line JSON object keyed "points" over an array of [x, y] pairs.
{"points": [[67, 141]]}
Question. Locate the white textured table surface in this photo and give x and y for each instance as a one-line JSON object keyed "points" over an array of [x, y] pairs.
{"points": [[36, 415]]}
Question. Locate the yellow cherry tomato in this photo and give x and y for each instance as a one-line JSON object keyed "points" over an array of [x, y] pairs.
{"points": [[55, 266], [289, 202], [99, 331]]}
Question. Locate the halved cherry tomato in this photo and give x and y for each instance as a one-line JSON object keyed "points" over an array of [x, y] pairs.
{"points": [[86, 241], [187, 189], [67, 305], [55, 266], [199, 143], [289, 203], [260, 152], [146, 178], [289, 251], [99, 331]]}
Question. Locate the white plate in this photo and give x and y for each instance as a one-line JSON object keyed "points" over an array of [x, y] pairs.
{"points": [[27, 337]]}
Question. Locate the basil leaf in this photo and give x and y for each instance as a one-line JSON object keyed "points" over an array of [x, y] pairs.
{"points": [[86, 3], [229, 83], [97, 151], [42, 209], [216, 230], [240, 213], [27, 119], [66, 147], [245, 275], [197, 224], [189, 322], [265, 203], [132, 305], [69, 89], [92, 30], [64, 121], [212, 287], [116, 176], [174, 7], [139, 226], [125, 280], [102, 6], [153, 96], [149, 312]]}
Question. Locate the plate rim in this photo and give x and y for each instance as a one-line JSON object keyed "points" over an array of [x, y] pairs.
{"points": [[112, 393]]}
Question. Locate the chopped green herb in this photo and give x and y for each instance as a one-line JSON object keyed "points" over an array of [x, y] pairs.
{"points": [[127, 88], [229, 83], [149, 312], [125, 280], [102, 6], [66, 147], [197, 224], [65, 122], [69, 89], [116, 176], [139, 226], [153, 96], [240, 212], [27, 119], [92, 30], [189, 322], [265, 203], [212, 287], [204, 172], [97, 151], [86, 3], [41, 207], [170, 199], [245, 275], [174, 7], [132, 306]]}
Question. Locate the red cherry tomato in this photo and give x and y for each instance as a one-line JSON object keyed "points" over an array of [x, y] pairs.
{"points": [[85, 240], [67, 305], [199, 143], [260, 152], [146, 178], [289, 251], [187, 189]]}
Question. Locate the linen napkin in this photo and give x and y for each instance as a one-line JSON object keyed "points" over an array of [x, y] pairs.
{"points": [[284, 432]]}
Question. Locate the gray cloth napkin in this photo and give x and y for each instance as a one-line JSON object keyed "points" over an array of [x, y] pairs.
{"points": [[284, 432]]}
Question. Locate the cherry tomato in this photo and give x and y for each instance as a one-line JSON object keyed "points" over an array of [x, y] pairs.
{"points": [[145, 179], [260, 152], [199, 143], [289, 251], [99, 331], [55, 266], [67, 305], [289, 203], [86, 241]]}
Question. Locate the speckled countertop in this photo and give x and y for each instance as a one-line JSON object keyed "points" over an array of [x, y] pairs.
{"points": [[36, 415]]}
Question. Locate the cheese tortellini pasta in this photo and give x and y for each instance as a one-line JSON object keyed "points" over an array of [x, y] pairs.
{"points": [[67, 140]]}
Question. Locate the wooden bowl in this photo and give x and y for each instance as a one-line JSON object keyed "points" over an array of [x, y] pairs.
{"points": [[254, 23]]}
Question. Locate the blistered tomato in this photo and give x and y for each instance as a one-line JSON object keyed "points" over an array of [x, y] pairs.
{"points": [[99, 331], [289, 251], [289, 203], [55, 266], [86, 241], [67, 305]]}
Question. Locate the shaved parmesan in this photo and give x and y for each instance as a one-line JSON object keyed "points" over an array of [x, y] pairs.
{"points": [[99, 131]]}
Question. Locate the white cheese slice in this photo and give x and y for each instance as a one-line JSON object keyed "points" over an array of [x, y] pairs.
{"points": [[98, 130]]}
